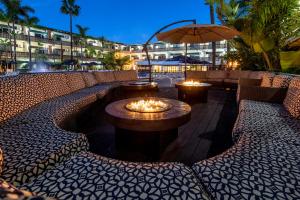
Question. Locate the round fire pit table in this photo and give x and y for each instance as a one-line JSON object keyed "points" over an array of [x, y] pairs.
{"points": [[138, 89], [193, 92], [148, 132]]}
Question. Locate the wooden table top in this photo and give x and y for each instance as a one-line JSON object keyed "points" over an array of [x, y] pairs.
{"points": [[177, 115]]}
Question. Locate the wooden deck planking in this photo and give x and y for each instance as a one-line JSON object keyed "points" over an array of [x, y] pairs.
{"points": [[194, 140]]}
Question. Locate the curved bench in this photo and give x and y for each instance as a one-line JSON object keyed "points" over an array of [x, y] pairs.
{"points": [[33, 109], [263, 163]]}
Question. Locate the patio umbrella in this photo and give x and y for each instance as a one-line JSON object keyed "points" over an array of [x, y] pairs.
{"points": [[197, 33]]}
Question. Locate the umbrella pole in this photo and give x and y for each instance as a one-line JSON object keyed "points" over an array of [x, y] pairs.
{"points": [[185, 61], [149, 64]]}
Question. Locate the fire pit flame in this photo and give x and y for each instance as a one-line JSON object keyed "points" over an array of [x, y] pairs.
{"points": [[191, 83], [148, 106]]}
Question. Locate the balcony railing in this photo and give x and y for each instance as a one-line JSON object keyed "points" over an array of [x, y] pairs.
{"points": [[48, 41], [193, 47], [55, 56]]}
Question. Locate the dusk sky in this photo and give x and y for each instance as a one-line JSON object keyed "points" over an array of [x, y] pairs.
{"points": [[131, 21]]}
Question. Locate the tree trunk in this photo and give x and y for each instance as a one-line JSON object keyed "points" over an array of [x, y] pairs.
{"points": [[267, 59], [212, 20], [15, 47], [71, 32]]}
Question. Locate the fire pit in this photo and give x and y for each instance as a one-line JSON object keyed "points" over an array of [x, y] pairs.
{"points": [[147, 125], [138, 89], [193, 91], [191, 83], [148, 106]]}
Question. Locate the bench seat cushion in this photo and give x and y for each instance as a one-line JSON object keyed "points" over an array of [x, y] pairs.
{"points": [[263, 126], [30, 149], [96, 177], [99, 90], [268, 169], [264, 108]]}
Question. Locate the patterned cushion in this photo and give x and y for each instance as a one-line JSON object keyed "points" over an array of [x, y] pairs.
{"points": [[10, 192], [254, 169], [99, 90], [89, 79], [105, 77], [75, 81], [1, 160], [196, 75], [267, 80], [262, 125], [217, 74], [292, 100], [55, 85], [264, 108], [30, 149], [281, 81], [18, 93], [95, 177], [128, 75]]}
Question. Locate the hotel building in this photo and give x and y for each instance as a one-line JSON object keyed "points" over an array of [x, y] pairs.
{"points": [[54, 46]]}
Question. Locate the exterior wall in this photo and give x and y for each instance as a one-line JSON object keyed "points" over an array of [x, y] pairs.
{"points": [[49, 42]]}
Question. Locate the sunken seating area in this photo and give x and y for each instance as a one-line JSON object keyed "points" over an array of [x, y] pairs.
{"points": [[39, 158]]}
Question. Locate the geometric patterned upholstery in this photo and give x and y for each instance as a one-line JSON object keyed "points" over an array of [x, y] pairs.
{"points": [[259, 124], [10, 192], [105, 77], [1, 160], [88, 176], [30, 149], [54, 85], [292, 100], [89, 79], [267, 80], [75, 81], [263, 163], [268, 169], [265, 108], [281, 81], [18, 93]]}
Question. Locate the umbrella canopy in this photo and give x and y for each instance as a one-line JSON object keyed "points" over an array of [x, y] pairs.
{"points": [[198, 33]]}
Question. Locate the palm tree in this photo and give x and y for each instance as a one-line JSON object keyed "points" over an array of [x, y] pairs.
{"points": [[83, 35], [70, 8], [14, 12], [29, 22]]}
